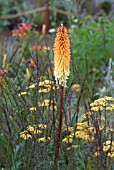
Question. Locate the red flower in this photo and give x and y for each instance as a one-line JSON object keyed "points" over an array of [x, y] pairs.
{"points": [[94, 69], [21, 30], [3, 72], [39, 48]]}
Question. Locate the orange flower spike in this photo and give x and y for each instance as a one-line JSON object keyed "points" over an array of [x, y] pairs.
{"points": [[62, 56]]}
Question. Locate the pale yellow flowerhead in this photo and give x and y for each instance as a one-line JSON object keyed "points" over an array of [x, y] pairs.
{"points": [[62, 56]]}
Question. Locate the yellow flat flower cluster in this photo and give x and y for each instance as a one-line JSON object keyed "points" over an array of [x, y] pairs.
{"points": [[97, 108], [42, 126], [47, 86], [33, 109], [110, 130], [84, 135], [34, 130], [32, 86], [46, 90], [45, 103], [23, 93], [46, 82], [75, 87], [100, 118], [70, 129], [68, 139], [97, 153], [103, 104], [41, 83], [25, 135], [110, 108], [83, 131], [87, 115], [108, 148], [82, 125], [43, 139], [72, 147]]}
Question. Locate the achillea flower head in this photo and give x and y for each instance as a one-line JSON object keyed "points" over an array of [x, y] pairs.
{"points": [[67, 140], [62, 56]]}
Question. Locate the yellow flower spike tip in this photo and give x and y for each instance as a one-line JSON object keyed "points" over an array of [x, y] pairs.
{"points": [[62, 56]]}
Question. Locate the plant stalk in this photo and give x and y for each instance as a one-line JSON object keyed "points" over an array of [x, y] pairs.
{"points": [[59, 127]]}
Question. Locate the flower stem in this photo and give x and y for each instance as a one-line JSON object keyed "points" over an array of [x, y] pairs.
{"points": [[59, 127]]}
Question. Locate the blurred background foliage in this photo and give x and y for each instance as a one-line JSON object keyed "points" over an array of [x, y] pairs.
{"points": [[72, 8]]}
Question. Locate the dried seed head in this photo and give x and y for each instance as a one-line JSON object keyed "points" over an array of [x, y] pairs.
{"points": [[62, 56]]}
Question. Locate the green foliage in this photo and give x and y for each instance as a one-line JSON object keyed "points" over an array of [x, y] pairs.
{"points": [[6, 8], [106, 6], [93, 40], [66, 6]]}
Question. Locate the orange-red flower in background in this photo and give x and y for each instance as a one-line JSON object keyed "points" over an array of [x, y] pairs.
{"points": [[21, 30], [94, 69], [62, 56], [3, 72], [39, 48], [3, 77]]}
